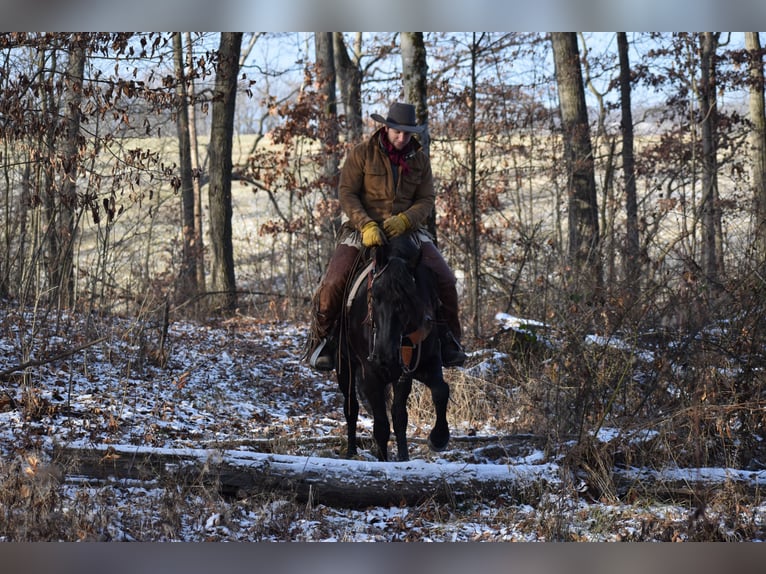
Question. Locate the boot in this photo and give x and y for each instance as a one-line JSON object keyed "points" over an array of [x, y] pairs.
{"points": [[453, 354], [327, 304], [322, 358]]}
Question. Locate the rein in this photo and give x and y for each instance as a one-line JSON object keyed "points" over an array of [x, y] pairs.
{"points": [[369, 319], [415, 338]]}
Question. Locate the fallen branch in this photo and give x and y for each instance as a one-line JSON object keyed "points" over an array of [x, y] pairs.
{"points": [[48, 360], [687, 483]]}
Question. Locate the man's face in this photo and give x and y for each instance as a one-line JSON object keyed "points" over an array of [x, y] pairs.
{"points": [[398, 138]]}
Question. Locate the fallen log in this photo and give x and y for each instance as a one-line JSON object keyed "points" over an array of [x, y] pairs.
{"points": [[359, 484], [333, 482], [687, 483]]}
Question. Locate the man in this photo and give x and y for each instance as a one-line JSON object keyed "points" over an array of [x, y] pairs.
{"points": [[386, 190]]}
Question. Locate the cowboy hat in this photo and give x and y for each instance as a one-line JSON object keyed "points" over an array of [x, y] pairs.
{"points": [[400, 117]]}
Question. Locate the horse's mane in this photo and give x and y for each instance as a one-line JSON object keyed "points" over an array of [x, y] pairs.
{"points": [[401, 282], [403, 247], [396, 284]]}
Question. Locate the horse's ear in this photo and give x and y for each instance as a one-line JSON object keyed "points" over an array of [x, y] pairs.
{"points": [[380, 254], [414, 261], [405, 247], [411, 252]]}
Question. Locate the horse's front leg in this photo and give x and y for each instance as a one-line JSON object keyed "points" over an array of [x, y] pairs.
{"points": [[381, 428], [402, 389], [350, 407], [439, 435]]}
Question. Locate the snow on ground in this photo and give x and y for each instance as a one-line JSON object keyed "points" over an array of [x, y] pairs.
{"points": [[235, 385]]}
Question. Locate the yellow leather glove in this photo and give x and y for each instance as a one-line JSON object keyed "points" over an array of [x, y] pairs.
{"points": [[372, 235], [396, 225]]}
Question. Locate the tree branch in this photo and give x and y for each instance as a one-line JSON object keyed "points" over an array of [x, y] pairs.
{"points": [[47, 360]]}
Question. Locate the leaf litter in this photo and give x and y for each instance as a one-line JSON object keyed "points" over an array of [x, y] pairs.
{"points": [[239, 384]]}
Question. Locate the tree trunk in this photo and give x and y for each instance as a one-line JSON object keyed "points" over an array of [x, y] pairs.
{"points": [[328, 120], [581, 182], [45, 176], [196, 175], [63, 274], [219, 192], [328, 129], [415, 79], [475, 253], [712, 262], [632, 246], [187, 279], [758, 144], [350, 79]]}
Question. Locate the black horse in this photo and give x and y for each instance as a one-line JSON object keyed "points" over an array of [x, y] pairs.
{"points": [[389, 338]]}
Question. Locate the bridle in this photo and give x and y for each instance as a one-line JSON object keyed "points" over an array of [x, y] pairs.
{"points": [[415, 338]]}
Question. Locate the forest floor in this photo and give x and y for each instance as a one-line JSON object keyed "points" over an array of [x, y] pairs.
{"points": [[239, 385]]}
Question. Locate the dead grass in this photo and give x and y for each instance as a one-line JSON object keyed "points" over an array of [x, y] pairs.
{"points": [[703, 414]]}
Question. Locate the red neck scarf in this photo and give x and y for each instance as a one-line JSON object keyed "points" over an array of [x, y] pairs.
{"points": [[397, 157]]}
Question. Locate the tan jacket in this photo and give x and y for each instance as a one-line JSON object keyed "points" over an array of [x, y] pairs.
{"points": [[366, 190]]}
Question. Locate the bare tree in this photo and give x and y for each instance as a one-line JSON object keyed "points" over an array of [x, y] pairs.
{"points": [[581, 183], [62, 273], [187, 279], [221, 134], [712, 256], [757, 143], [632, 247], [475, 252], [199, 250], [328, 130], [415, 78], [349, 75]]}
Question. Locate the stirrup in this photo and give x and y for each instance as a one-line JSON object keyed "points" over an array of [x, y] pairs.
{"points": [[453, 354], [323, 356]]}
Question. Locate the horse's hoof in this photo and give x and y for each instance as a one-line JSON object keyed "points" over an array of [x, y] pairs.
{"points": [[438, 444]]}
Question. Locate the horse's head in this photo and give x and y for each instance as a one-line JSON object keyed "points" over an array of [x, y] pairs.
{"points": [[397, 306]]}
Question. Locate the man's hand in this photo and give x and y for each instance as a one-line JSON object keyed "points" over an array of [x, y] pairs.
{"points": [[396, 225], [372, 235]]}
